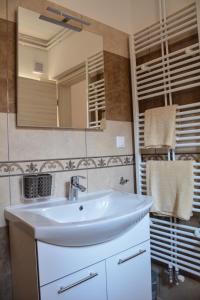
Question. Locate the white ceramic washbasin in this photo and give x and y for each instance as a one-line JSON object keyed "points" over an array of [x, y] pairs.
{"points": [[94, 218]]}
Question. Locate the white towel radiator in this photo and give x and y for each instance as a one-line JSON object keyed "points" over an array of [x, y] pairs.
{"points": [[161, 79]]}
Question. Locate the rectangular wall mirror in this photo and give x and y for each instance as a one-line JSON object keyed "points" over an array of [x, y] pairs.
{"points": [[60, 73]]}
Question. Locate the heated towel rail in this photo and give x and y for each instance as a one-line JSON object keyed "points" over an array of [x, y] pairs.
{"points": [[161, 71]]}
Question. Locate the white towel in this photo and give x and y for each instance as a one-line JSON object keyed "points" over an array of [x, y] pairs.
{"points": [[160, 127], [171, 184]]}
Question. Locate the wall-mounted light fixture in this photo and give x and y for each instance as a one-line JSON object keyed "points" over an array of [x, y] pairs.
{"points": [[65, 21]]}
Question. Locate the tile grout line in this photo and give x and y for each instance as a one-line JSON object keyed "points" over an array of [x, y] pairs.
{"points": [[7, 96], [8, 148], [86, 153], [66, 158]]}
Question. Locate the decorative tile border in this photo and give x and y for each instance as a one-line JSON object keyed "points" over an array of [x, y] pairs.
{"points": [[188, 156], [15, 168], [179, 156], [146, 157]]}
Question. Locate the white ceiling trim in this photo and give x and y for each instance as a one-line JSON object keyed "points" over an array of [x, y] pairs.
{"points": [[43, 44]]}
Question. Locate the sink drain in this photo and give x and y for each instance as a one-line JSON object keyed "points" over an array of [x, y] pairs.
{"points": [[81, 207]]}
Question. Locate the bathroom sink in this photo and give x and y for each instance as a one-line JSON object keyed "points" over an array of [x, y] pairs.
{"points": [[94, 218]]}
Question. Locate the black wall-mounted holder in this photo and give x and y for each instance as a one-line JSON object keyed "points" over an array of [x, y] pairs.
{"points": [[44, 185], [37, 186]]}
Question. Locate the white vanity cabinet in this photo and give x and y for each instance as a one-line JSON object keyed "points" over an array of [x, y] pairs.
{"points": [[122, 276], [87, 284], [128, 274], [115, 270]]}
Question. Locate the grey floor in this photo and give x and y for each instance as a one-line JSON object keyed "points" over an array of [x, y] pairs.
{"points": [[188, 290]]}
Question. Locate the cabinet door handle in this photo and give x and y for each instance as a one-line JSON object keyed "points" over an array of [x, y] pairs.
{"points": [[121, 261], [70, 286]]}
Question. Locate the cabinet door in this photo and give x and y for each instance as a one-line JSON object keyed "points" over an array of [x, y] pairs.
{"points": [[87, 284], [129, 274]]}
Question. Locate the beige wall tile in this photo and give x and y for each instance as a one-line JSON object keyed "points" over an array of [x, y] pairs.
{"points": [[43, 144], [15, 190], [11, 67], [5, 198], [3, 65], [3, 137], [59, 189], [3, 14], [117, 87], [96, 180], [104, 142], [108, 178]]}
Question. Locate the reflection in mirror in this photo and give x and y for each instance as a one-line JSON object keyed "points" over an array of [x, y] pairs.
{"points": [[60, 73]]}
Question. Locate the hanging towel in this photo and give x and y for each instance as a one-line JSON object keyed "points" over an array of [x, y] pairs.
{"points": [[171, 185], [160, 127]]}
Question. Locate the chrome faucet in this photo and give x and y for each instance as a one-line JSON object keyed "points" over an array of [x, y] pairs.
{"points": [[75, 187]]}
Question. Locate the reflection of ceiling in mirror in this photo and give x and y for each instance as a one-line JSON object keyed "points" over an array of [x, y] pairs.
{"points": [[33, 31], [57, 50], [30, 24]]}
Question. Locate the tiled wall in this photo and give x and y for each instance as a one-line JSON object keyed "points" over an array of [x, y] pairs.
{"points": [[117, 70], [61, 152]]}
